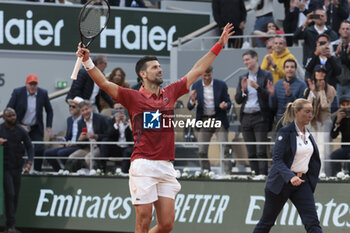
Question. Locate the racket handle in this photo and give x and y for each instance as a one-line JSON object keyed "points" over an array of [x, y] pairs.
{"points": [[76, 68]]}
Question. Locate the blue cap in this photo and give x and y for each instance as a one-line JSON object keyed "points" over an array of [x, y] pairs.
{"points": [[320, 67], [344, 98]]}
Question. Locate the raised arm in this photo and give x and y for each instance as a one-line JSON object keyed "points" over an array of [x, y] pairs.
{"points": [[204, 62], [96, 74]]}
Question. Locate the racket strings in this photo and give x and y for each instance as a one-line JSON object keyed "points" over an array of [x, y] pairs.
{"points": [[90, 24]]}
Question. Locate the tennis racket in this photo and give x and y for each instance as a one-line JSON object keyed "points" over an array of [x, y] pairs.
{"points": [[90, 25]]}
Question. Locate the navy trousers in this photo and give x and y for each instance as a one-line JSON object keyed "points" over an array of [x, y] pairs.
{"points": [[302, 198], [36, 134]]}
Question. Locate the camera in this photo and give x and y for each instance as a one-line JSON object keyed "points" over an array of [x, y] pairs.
{"points": [[346, 111], [315, 16]]}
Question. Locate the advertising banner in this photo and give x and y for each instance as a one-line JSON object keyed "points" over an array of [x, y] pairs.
{"points": [[129, 31], [103, 204]]}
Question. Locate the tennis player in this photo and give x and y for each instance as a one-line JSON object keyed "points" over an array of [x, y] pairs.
{"points": [[152, 176]]}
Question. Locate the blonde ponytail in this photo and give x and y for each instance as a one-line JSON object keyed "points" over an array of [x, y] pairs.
{"points": [[288, 116]]}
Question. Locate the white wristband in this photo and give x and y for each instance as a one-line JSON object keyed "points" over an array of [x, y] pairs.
{"points": [[88, 64]]}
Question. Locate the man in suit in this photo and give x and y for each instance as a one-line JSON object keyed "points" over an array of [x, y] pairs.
{"points": [[71, 135], [29, 102], [212, 101], [85, 87], [91, 127], [255, 114]]}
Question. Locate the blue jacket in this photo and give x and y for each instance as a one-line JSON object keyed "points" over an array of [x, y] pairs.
{"points": [[220, 94], [279, 101], [282, 159], [83, 87], [19, 103], [69, 132]]}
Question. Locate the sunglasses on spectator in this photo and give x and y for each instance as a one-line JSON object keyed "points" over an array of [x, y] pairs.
{"points": [[72, 106]]}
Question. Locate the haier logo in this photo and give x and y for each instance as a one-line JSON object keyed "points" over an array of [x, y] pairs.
{"points": [[151, 120]]}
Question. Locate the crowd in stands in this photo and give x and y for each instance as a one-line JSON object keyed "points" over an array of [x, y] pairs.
{"points": [[263, 92], [123, 3]]}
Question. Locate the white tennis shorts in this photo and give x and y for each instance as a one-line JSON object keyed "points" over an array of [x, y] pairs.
{"points": [[149, 179]]}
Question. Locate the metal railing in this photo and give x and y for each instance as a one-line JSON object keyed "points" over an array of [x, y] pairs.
{"points": [[202, 39], [221, 158]]}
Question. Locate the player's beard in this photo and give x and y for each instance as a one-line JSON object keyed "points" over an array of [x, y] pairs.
{"points": [[158, 80]]}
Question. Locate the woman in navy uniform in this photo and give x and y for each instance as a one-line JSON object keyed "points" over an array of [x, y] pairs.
{"points": [[295, 169]]}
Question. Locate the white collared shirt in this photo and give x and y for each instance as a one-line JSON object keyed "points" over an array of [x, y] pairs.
{"points": [[94, 94], [89, 126], [121, 127], [208, 95], [75, 129], [252, 104], [320, 31], [30, 115], [303, 152]]}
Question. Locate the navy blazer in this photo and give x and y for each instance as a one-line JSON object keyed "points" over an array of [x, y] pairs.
{"points": [[263, 77], [220, 94], [83, 87], [19, 103], [69, 132], [283, 156], [99, 124]]}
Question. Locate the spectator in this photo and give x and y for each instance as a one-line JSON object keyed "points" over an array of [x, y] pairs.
{"points": [[274, 62], [271, 28], [134, 3], [321, 95], [16, 143], [295, 12], [341, 124], [92, 127], [342, 51], [230, 11], [263, 11], [323, 56], [28, 103], [118, 77], [212, 100], [71, 135], [285, 90], [138, 84], [255, 112], [309, 33], [337, 11], [119, 130], [85, 87], [269, 45]]}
